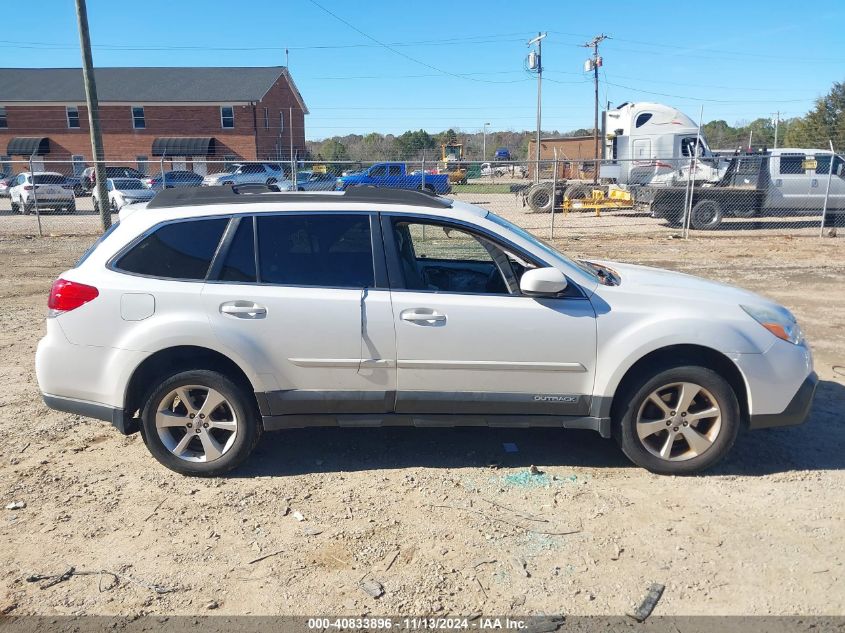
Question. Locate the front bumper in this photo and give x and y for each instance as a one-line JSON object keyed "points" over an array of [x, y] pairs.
{"points": [[796, 412]]}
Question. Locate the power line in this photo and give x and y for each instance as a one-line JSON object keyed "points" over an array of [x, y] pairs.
{"points": [[674, 96], [393, 49], [469, 40]]}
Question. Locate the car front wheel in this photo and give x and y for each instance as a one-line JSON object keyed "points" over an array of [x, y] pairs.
{"points": [[199, 422], [679, 421]]}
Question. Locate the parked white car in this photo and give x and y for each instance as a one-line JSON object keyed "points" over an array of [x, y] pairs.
{"points": [[123, 191], [250, 173], [214, 315], [46, 189]]}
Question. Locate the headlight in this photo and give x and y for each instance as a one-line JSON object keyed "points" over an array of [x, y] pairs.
{"points": [[781, 323]]}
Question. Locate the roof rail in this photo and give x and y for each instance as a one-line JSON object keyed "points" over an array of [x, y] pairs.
{"points": [[252, 193]]}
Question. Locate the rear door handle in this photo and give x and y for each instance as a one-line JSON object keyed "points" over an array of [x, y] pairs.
{"points": [[243, 310], [423, 316]]}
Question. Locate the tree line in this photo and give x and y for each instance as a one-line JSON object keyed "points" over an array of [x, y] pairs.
{"points": [[823, 123]]}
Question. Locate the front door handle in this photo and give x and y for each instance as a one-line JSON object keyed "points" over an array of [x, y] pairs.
{"points": [[243, 309], [422, 316]]}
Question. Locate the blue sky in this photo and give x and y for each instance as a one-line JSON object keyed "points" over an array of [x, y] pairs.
{"points": [[460, 64]]}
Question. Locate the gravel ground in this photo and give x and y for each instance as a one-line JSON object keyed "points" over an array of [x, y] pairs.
{"points": [[445, 521]]}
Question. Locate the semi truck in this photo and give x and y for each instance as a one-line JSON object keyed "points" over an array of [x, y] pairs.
{"points": [[644, 142]]}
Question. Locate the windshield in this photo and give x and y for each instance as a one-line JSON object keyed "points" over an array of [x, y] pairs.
{"points": [[543, 245], [127, 183], [49, 179]]}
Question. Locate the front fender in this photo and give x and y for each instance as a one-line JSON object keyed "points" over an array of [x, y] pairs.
{"points": [[620, 348]]}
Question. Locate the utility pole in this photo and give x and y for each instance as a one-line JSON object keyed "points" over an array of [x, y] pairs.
{"points": [[535, 63], [777, 123], [93, 113], [594, 63], [484, 143]]}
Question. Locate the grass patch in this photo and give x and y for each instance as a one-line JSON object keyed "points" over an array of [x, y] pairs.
{"points": [[481, 188]]}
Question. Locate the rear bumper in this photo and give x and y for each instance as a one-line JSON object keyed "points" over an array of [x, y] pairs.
{"points": [[95, 410], [796, 411]]}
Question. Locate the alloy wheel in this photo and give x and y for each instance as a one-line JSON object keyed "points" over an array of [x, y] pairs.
{"points": [[679, 421], [196, 423]]}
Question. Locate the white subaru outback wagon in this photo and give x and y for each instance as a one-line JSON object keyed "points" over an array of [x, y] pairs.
{"points": [[210, 315]]}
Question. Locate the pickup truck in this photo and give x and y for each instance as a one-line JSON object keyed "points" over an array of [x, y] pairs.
{"points": [[781, 182], [395, 176]]}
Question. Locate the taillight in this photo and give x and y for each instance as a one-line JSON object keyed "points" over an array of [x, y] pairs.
{"points": [[68, 295], [27, 188]]}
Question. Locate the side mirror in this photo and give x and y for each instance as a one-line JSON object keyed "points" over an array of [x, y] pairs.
{"points": [[542, 282]]}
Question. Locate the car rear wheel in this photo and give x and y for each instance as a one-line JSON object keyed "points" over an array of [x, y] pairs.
{"points": [[71, 208], [679, 421], [26, 208], [199, 422]]}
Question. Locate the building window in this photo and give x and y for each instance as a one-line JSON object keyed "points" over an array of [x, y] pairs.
{"points": [[281, 121], [78, 162], [138, 121], [72, 116], [266, 118], [3, 121], [142, 162], [227, 116]]}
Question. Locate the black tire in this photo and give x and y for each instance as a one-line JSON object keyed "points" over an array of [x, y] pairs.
{"points": [[26, 209], [270, 181], [578, 192], [706, 215], [71, 208], [635, 398], [15, 208], [429, 188], [242, 405], [539, 197], [96, 206]]}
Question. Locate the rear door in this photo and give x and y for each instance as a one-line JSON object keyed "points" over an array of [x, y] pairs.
{"points": [[310, 310], [468, 342]]}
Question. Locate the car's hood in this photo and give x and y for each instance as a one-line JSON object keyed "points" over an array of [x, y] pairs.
{"points": [[649, 281], [136, 193]]}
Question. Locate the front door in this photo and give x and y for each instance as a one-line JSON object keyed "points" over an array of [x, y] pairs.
{"points": [[312, 319], [468, 342]]}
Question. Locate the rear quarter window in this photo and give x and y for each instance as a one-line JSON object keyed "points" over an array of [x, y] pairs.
{"points": [[178, 250]]}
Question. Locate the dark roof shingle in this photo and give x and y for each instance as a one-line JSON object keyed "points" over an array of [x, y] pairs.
{"points": [[142, 85]]}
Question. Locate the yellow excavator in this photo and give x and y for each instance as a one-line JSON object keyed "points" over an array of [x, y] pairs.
{"points": [[452, 162]]}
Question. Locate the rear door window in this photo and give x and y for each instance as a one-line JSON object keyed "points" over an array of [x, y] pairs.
{"points": [[330, 250], [792, 164], [178, 250]]}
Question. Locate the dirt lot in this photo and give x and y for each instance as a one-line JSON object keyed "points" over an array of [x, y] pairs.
{"points": [[445, 520]]}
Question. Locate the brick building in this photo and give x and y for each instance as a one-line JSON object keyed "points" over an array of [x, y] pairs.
{"points": [[183, 117], [574, 154]]}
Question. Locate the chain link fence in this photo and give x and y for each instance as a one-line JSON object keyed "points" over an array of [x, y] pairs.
{"points": [[788, 192]]}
